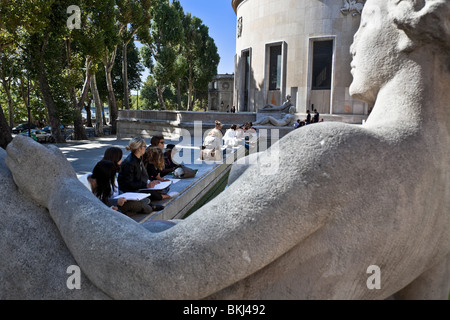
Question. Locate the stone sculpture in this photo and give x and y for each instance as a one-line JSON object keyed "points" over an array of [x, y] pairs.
{"points": [[273, 108], [286, 120], [344, 200], [352, 6]]}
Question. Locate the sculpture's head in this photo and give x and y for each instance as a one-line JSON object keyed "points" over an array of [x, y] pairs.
{"points": [[292, 110], [389, 31]]}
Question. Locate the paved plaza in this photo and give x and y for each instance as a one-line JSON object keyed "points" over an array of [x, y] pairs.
{"points": [[83, 156]]}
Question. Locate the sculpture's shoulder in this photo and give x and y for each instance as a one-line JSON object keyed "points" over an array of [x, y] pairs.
{"points": [[328, 134]]}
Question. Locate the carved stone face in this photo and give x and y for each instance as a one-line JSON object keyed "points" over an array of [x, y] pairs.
{"points": [[374, 51]]}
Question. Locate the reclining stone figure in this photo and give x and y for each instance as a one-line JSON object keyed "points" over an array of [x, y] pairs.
{"points": [[286, 120], [273, 108], [343, 198]]}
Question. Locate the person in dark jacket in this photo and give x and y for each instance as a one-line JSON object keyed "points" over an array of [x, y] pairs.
{"points": [[133, 175]]}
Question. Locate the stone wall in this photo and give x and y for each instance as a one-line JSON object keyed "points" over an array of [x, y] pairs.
{"points": [[295, 25], [173, 124]]}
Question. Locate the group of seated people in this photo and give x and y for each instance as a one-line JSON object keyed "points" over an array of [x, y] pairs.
{"points": [[215, 143], [140, 171], [309, 119]]}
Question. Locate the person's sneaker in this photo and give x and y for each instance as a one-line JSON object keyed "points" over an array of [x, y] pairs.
{"points": [[173, 194], [157, 207]]}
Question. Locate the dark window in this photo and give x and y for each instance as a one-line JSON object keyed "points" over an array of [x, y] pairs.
{"points": [[322, 64], [275, 68], [246, 57]]}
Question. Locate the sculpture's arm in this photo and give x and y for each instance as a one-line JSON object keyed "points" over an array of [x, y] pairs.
{"points": [[220, 244]]}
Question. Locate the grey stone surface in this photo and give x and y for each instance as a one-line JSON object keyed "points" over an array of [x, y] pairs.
{"points": [[34, 258], [304, 222]]}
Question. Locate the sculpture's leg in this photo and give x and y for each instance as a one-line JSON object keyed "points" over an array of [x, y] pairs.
{"points": [[433, 284]]}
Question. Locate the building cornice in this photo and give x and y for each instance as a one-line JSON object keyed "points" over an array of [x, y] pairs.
{"points": [[235, 4]]}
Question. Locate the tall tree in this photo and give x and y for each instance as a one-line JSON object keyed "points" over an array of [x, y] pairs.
{"points": [[98, 110], [200, 53], [134, 16], [7, 69], [124, 14], [180, 66], [39, 52], [166, 35], [85, 45], [5, 131], [205, 65], [114, 30], [135, 70], [29, 24]]}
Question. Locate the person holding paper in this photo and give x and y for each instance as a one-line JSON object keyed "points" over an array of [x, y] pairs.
{"points": [[154, 164], [133, 175], [102, 184]]}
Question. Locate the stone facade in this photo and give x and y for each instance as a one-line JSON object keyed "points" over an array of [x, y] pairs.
{"points": [[298, 48], [220, 93]]}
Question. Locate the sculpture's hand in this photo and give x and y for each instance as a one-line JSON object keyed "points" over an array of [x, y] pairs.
{"points": [[36, 169]]}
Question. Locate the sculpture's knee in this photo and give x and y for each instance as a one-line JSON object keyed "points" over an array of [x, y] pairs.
{"points": [[242, 164], [433, 284]]}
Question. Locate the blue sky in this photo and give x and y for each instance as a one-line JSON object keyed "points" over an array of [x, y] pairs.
{"points": [[219, 17]]}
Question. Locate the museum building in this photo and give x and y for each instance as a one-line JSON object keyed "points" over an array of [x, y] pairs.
{"points": [[296, 48]]}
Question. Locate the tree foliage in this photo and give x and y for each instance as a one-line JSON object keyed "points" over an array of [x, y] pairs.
{"points": [[181, 55], [46, 67]]}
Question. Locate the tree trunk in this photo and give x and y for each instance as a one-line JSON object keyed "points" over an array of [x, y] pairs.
{"points": [[190, 89], [87, 107], [47, 95], [24, 92], [159, 92], [111, 97], [104, 116], [6, 82], [98, 108], [126, 96], [79, 130], [5, 130], [179, 95], [7, 88]]}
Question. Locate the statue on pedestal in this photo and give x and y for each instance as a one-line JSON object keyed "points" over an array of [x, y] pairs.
{"points": [[273, 108], [287, 120]]}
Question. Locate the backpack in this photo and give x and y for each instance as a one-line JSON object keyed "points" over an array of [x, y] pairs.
{"points": [[183, 172]]}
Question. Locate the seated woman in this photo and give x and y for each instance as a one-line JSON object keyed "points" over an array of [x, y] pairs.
{"points": [[229, 138], [154, 164], [102, 182], [133, 175], [114, 154], [169, 164], [212, 146]]}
